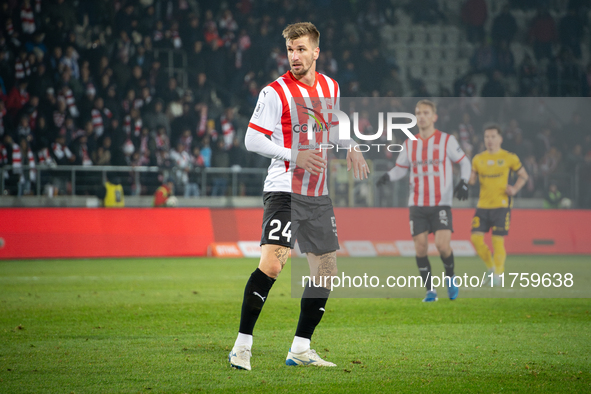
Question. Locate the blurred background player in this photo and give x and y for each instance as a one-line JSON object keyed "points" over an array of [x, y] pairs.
{"points": [[164, 196], [493, 168], [429, 158], [295, 183], [553, 197], [111, 193]]}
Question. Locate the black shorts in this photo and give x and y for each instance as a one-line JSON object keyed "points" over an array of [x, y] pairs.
{"points": [[430, 219], [310, 220], [498, 219]]}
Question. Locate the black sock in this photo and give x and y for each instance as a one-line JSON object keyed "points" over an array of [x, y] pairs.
{"points": [[448, 263], [312, 309], [255, 293], [425, 271]]}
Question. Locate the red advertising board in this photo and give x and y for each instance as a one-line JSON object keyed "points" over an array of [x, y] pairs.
{"points": [[139, 232], [83, 232]]}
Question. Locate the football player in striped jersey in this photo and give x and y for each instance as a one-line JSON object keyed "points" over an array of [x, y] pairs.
{"points": [[429, 160], [295, 194]]}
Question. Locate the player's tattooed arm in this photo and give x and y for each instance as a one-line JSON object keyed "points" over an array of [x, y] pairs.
{"points": [[282, 254]]}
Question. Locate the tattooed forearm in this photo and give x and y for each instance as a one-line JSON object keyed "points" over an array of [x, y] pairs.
{"points": [[282, 253]]}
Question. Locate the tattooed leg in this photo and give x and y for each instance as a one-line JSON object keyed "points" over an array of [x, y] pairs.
{"points": [[323, 268], [282, 254], [273, 259]]}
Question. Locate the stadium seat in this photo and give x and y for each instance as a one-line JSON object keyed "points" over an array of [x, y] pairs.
{"points": [[434, 34], [433, 87], [387, 32], [512, 85], [418, 36], [416, 54], [402, 17], [462, 66], [416, 69], [450, 36], [449, 73], [400, 35], [450, 7]]}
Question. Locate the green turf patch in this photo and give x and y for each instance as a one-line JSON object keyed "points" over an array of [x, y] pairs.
{"points": [[167, 325]]}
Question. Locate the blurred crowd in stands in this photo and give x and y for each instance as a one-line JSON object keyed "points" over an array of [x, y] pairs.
{"points": [[555, 38], [172, 83]]}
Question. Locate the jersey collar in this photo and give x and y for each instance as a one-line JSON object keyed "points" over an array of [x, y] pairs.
{"points": [[427, 139], [496, 153], [313, 87]]}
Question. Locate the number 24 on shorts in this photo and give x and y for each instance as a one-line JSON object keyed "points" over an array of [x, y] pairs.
{"points": [[276, 226]]}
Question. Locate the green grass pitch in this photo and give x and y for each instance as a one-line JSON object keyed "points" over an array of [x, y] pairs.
{"points": [[167, 325]]}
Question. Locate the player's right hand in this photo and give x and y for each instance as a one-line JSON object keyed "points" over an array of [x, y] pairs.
{"points": [[310, 161], [383, 180], [510, 190]]}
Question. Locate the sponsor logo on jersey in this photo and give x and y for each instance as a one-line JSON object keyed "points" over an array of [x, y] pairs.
{"points": [[303, 128], [309, 146], [418, 163], [426, 173], [258, 110]]}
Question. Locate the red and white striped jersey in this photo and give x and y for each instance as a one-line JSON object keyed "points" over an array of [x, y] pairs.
{"points": [[27, 20], [17, 157], [45, 157], [228, 132], [61, 152], [19, 160], [430, 165], [137, 126], [22, 69], [67, 95], [97, 122], [276, 116]]}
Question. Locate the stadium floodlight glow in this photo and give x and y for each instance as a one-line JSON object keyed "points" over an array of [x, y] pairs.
{"points": [[345, 125]]}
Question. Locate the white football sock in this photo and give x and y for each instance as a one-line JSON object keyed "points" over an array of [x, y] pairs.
{"points": [[300, 345], [243, 340]]}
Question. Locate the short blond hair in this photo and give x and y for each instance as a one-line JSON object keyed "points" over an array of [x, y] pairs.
{"points": [[429, 103], [302, 29]]}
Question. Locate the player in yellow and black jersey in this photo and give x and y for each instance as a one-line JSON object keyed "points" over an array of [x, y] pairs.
{"points": [[493, 169]]}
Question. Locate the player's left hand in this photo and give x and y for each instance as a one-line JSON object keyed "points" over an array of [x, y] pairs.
{"points": [[510, 190], [356, 161], [461, 190], [383, 180]]}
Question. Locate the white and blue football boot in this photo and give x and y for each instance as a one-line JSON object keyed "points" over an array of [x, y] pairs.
{"points": [[239, 357], [431, 296], [452, 289], [309, 357]]}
